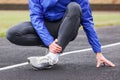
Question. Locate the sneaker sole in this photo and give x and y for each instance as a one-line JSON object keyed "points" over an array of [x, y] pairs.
{"points": [[43, 67]]}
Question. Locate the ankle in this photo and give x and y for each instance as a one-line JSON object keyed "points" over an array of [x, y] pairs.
{"points": [[54, 57], [53, 54]]}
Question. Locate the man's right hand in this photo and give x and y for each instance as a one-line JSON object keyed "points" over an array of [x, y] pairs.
{"points": [[54, 47]]}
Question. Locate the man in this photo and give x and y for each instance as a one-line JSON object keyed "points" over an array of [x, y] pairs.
{"points": [[54, 23]]}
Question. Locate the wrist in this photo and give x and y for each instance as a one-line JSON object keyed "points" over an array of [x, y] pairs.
{"points": [[99, 54]]}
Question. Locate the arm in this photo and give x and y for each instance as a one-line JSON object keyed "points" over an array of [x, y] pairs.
{"points": [[37, 20], [88, 26]]}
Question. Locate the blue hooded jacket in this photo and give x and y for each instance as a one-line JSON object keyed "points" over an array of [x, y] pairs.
{"points": [[54, 10]]}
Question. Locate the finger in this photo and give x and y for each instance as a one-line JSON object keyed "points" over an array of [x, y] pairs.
{"points": [[98, 64], [109, 63], [55, 49], [57, 46], [56, 40], [52, 49], [58, 50]]}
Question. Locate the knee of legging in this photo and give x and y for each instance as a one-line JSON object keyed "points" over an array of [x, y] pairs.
{"points": [[74, 9], [11, 34]]}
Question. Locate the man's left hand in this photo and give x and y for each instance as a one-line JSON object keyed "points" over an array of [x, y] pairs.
{"points": [[102, 60]]}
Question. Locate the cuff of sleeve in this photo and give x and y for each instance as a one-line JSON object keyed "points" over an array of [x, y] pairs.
{"points": [[97, 51], [47, 44], [48, 41]]}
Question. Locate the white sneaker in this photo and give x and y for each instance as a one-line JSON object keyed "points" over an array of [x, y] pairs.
{"points": [[43, 62], [54, 57]]}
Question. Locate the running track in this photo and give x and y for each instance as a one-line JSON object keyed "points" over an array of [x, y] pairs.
{"points": [[77, 63]]}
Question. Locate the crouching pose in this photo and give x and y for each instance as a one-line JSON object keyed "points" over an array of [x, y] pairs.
{"points": [[54, 23]]}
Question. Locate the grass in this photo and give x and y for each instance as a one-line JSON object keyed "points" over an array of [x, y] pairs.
{"points": [[10, 18], [106, 18]]}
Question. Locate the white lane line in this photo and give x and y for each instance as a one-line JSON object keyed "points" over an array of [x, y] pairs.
{"points": [[66, 53], [13, 66], [89, 49]]}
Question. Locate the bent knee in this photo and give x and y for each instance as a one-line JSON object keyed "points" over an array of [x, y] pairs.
{"points": [[74, 9], [11, 34]]}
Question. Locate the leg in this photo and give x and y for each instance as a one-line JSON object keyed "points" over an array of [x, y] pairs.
{"points": [[70, 24], [23, 34], [67, 31], [53, 27], [47, 61]]}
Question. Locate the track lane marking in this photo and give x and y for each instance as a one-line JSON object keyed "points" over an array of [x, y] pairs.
{"points": [[66, 53]]}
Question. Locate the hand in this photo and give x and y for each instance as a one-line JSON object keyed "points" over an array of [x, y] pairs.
{"points": [[54, 47], [102, 60]]}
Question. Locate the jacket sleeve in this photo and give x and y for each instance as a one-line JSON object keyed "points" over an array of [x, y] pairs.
{"points": [[36, 16], [88, 26]]}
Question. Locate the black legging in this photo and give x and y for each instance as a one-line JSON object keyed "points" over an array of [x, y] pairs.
{"points": [[65, 30]]}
